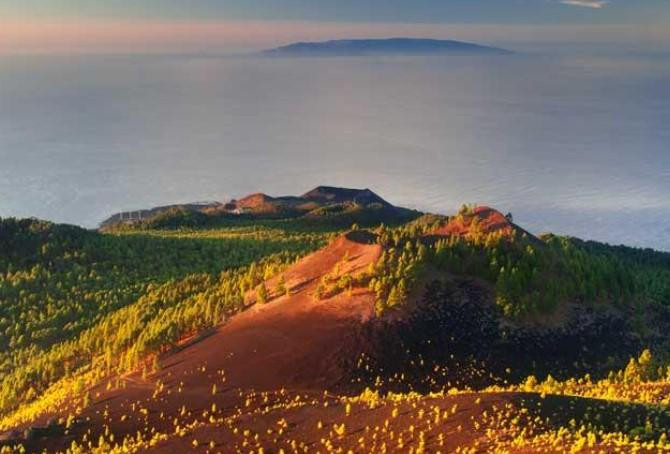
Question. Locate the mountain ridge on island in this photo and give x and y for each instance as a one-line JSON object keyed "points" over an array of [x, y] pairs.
{"points": [[380, 47], [321, 202]]}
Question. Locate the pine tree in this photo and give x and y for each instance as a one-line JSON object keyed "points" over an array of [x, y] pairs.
{"points": [[394, 297], [320, 291], [380, 307], [262, 293], [155, 364], [281, 285]]}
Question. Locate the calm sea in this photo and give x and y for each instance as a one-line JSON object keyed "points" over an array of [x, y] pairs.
{"points": [[577, 145]]}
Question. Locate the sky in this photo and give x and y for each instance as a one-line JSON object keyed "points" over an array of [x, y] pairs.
{"points": [[44, 26]]}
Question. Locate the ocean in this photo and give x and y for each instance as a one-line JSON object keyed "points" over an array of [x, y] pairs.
{"points": [[573, 144]]}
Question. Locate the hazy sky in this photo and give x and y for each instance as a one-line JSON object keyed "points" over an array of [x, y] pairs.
{"points": [[220, 25]]}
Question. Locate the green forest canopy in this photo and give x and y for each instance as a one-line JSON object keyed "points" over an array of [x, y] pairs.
{"points": [[74, 300]]}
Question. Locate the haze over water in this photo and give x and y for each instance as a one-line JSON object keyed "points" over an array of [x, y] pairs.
{"points": [[577, 145]]}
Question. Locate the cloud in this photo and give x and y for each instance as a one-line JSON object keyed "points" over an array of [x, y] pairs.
{"points": [[597, 4]]}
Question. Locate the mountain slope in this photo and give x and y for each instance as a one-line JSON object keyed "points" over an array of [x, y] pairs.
{"points": [[286, 362], [278, 351], [339, 207], [293, 338]]}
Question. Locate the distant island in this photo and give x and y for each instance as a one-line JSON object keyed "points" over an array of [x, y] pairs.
{"points": [[390, 46]]}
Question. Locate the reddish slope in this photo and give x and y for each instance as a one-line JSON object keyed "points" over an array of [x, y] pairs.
{"points": [[258, 203], [258, 428], [289, 340], [267, 369], [485, 218], [292, 342]]}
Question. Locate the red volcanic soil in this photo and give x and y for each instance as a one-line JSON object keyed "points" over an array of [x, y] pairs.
{"points": [[488, 220], [268, 378], [290, 342], [309, 426], [257, 202]]}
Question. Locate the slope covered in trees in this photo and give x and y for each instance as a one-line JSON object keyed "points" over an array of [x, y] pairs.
{"points": [[77, 299], [470, 300]]}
